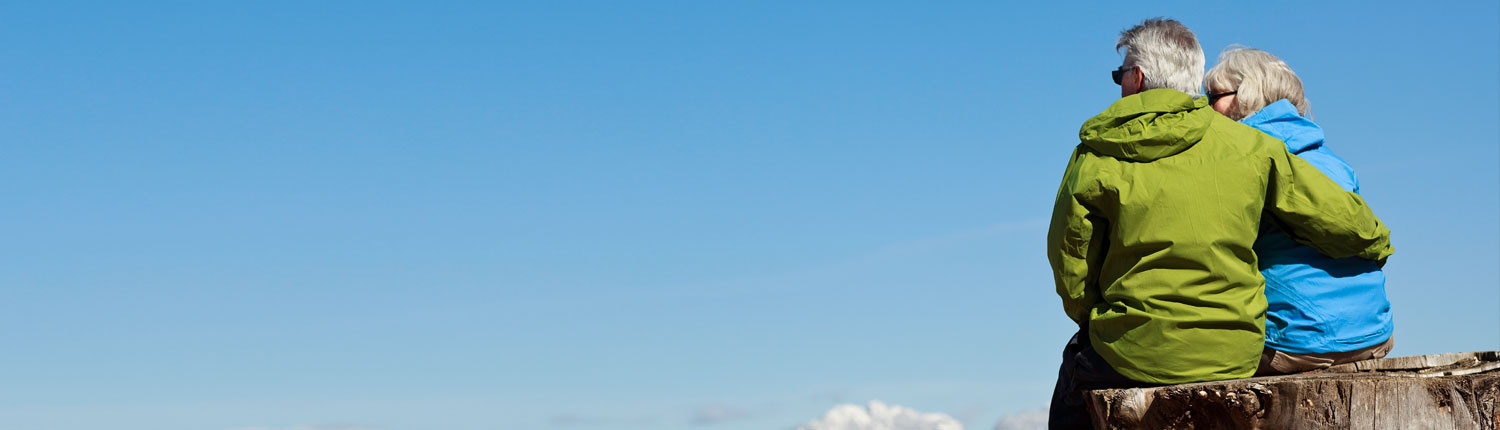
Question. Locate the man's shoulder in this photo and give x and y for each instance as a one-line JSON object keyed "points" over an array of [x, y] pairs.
{"points": [[1224, 125], [1092, 162], [1243, 138]]}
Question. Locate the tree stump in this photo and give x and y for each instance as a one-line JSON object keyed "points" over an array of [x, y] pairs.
{"points": [[1458, 391]]}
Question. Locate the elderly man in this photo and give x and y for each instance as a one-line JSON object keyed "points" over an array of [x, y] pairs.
{"points": [[1151, 234]]}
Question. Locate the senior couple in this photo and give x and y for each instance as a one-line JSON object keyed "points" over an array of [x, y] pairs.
{"points": [[1200, 238]]}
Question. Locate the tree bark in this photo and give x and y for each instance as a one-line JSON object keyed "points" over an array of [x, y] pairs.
{"points": [[1443, 391]]}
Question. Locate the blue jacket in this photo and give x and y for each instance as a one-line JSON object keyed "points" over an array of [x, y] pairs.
{"points": [[1316, 304]]}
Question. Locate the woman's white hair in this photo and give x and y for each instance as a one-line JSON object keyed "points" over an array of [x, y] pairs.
{"points": [[1166, 52], [1258, 79]]}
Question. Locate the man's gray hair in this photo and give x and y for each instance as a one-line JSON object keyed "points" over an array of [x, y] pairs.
{"points": [[1166, 52], [1258, 79]]}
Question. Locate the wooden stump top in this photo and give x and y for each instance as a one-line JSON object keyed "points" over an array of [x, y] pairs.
{"points": [[1440, 391]]}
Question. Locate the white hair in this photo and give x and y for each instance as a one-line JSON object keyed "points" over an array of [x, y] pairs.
{"points": [[1167, 53], [1258, 79]]}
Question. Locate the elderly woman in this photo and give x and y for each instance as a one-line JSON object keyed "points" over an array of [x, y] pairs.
{"points": [[1321, 311]]}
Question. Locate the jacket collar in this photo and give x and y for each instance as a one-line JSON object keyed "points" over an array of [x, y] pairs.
{"points": [[1280, 120]]}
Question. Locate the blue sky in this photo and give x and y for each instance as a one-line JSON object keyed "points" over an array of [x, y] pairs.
{"points": [[592, 215]]}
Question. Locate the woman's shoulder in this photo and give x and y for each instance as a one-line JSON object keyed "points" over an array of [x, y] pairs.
{"points": [[1332, 166]]}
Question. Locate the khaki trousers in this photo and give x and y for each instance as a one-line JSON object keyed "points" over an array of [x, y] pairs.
{"points": [[1273, 362]]}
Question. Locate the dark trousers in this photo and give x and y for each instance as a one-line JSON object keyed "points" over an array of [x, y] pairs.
{"points": [[1082, 370]]}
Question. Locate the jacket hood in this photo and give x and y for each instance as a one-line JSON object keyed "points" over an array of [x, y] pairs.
{"points": [[1281, 120], [1147, 126]]}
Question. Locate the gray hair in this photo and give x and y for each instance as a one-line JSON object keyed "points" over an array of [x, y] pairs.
{"points": [[1258, 79], [1166, 52]]}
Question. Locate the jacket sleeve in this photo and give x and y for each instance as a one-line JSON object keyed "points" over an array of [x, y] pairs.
{"points": [[1075, 246], [1316, 211]]}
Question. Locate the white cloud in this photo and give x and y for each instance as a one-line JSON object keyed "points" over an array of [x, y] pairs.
{"points": [[879, 416], [1035, 419]]}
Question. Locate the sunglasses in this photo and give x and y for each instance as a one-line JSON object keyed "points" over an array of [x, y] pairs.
{"points": [[1212, 98], [1119, 74]]}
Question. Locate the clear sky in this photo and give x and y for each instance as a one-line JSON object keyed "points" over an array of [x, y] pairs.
{"points": [[601, 215]]}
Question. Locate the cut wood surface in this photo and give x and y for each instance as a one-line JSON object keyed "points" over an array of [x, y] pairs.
{"points": [[1441, 391]]}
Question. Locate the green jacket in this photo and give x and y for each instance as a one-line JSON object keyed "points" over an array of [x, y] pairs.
{"points": [[1151, 234]]}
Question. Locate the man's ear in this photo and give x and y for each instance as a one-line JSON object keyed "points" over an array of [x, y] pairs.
{"points": [[1140, 79]]}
